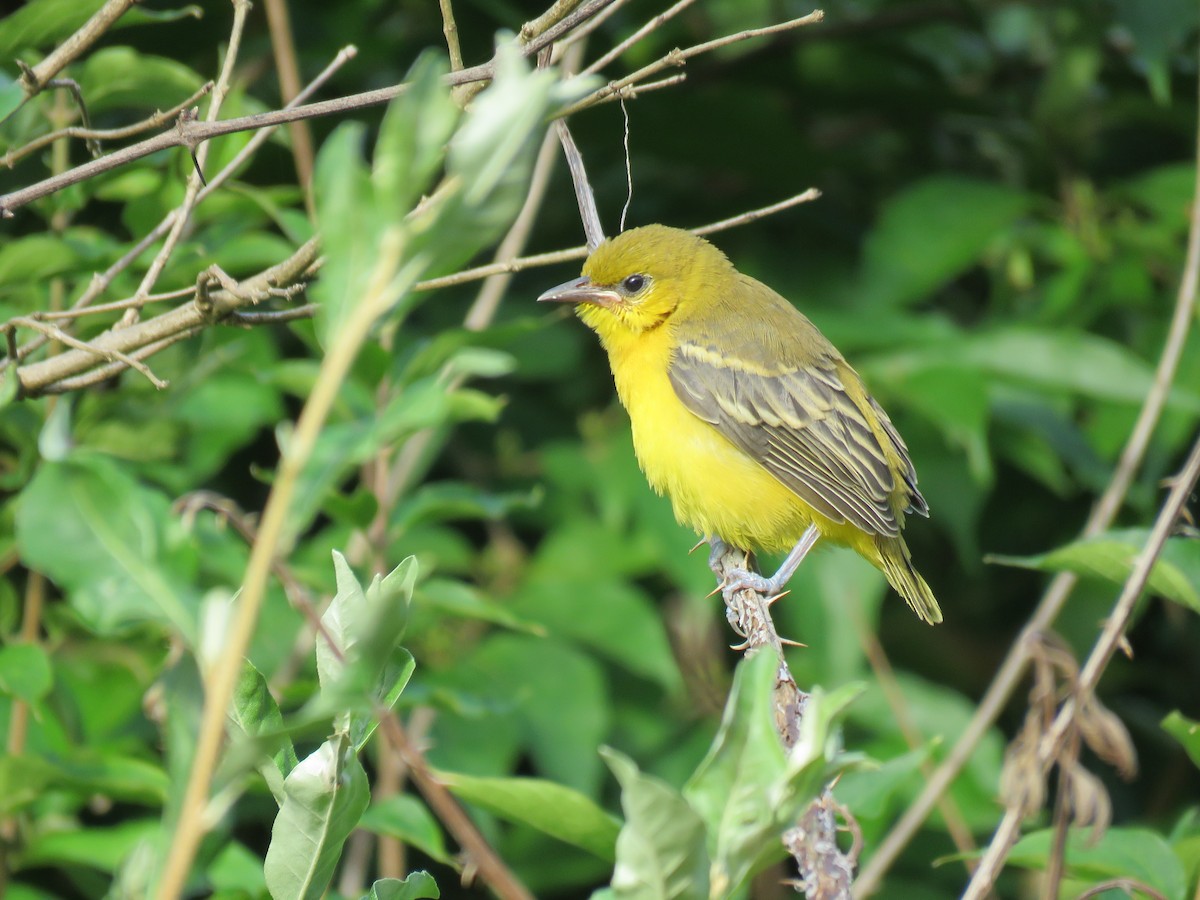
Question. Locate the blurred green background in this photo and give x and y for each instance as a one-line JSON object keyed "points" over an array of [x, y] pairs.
{"points": [[1006, 189]]}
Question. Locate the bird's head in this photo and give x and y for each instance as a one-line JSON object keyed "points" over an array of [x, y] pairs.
{"points": [[637, 280]]}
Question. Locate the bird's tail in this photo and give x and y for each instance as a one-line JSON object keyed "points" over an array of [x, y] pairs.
{"points": [[896, 563]]}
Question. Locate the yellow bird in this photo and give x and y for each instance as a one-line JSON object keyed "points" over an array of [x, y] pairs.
{"points": [[743, 413]]}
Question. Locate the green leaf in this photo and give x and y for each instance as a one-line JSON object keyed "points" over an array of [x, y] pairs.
{"points": [[1080, 363], [12, 95], [417, 886], [871, 791], [96, 847], [24, 779], [747, 790], [661, 851], [489, 160], [35, 258], [1111, 556], [25, 672], [351, 226], [611, 616], [254, 711], [42, 23], [365, 625], [1186, 731], [368, 669], [407, 819], [932, 232], [1120, 853], [117, 77], [456, 598], [113, 544], [325, 796], [558, 811], [562, 704], [1159, 31], [413, 135]]}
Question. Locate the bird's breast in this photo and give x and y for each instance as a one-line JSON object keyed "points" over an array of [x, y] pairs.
{"points": [[714, 487]]}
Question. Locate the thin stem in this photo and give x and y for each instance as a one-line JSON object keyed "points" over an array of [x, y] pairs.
{"points": [[183, 212], [450, 30], [655, 23], [157, 120], [283, 45]]}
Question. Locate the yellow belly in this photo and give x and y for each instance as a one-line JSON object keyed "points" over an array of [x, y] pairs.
{"points": [[714, 487]]}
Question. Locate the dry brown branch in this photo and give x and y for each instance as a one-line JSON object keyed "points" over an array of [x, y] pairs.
{"points": [[283, 45], [124, 345], [1110, 638], [191, 134], [589, 26], [157, 120], [588, 214], [1011, 671], [108, 354], [35, 78]]}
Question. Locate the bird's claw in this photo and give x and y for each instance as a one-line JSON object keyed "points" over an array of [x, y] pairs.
{"points": [[739, 579]]}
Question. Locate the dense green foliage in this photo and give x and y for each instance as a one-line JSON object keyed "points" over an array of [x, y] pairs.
{"points": [[1006, 189]]}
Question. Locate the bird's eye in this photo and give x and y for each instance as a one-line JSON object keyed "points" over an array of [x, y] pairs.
{"points": [[634, 283]]}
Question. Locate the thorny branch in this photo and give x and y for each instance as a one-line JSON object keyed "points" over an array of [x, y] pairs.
{"points": [[825, 871]]}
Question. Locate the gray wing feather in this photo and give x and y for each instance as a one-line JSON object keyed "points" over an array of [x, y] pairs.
{"points": [[805, 430]]}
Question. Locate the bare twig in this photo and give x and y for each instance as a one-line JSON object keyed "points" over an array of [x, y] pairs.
{"points": [[157, 120], [123, 345], [554, 257], [1009, 675], [655, 23], [679, 57], [109, 354], [825, 871], [1128, 885], [101, 282], [588, 213], [183, 213]]}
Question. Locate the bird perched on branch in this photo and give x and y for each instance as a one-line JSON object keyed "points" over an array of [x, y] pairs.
{"points": [[743, 413]]}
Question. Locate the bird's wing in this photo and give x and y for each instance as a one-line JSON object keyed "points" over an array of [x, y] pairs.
{"points": [[804, 427]]}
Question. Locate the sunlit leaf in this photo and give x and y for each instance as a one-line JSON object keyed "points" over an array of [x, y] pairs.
{"points": [[325, 796]]}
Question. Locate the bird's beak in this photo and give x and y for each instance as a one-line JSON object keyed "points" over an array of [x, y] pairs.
{"points": [[580, 290]]}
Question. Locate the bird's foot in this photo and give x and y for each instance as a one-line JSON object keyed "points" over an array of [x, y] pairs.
{"points": [[740, 579]]}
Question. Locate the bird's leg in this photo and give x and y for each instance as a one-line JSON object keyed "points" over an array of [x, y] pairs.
{"points": [[738, 578], [717, 549]]}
